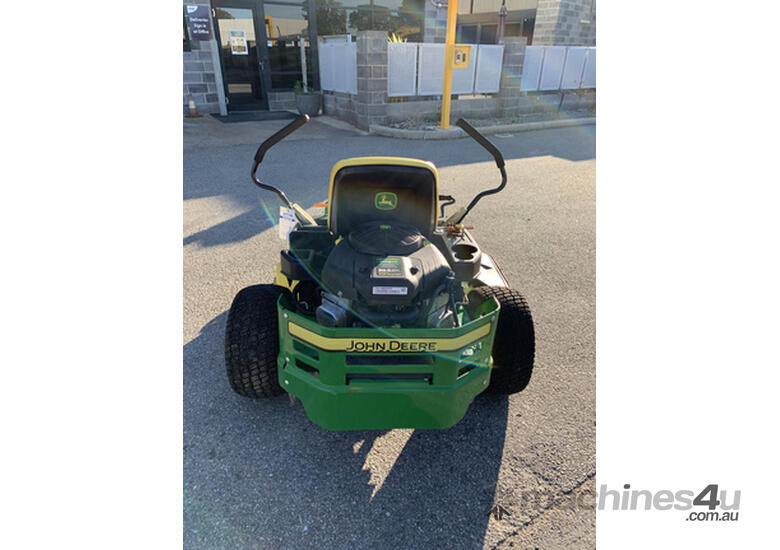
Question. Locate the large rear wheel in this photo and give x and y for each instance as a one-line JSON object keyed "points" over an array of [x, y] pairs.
{"points": [[514, 345], [252, 342]]}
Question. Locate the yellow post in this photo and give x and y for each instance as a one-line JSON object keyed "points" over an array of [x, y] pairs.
{"points": [[449, 59]]}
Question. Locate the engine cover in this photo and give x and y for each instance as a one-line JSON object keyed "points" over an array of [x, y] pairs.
{"points": [[384, 265]]}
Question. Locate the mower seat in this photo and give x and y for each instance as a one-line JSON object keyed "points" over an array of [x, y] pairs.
{"points": [[382, 190]]}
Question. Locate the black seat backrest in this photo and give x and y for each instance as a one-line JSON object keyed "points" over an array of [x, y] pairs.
{"points": [[383, 193]]}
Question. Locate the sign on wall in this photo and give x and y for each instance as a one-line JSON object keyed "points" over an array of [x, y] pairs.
{"points": [[238, 42], [462, 54], [198, 22]]}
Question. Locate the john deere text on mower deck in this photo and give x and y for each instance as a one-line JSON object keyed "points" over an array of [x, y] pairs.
{"points": [[384, 313]]}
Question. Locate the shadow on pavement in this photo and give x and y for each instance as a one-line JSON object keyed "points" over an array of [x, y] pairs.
{"points": [[240, 228], [301, 168], [302, 486]]}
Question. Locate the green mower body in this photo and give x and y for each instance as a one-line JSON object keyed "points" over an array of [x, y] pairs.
{"points": [[383, 313], [373, 378]]}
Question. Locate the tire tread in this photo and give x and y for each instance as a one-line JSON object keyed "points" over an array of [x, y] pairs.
{"points": [[514, 345], [252, 342]]}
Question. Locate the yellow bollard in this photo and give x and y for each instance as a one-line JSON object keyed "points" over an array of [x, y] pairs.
{"points": [[449, 58]]}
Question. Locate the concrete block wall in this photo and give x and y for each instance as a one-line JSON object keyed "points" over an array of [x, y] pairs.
{"points": [[371, 100], [341, 105], [199, 73], [565, 23], [509, 93], [483, 107], [281, 101], [369, 105]]}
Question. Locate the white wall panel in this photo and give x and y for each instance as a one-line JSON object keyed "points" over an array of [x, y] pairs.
{"points": [[430, 72], [572, 70], [589, 73], [532, 68], [430, 69], [552, 70], [338, 66], [326, 66], [487, 78], [401, 69]]}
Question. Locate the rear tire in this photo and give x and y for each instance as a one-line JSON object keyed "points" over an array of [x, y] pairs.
{"points": [[252, 342], [514, 345]]}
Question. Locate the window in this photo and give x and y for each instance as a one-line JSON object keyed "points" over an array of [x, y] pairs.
{"points": [[286, 26], [467, 34], [187, 46], [403, 18]]}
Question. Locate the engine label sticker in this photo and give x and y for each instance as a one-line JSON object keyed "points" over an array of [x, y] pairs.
{"points": [[389, 267], [390, 291]]}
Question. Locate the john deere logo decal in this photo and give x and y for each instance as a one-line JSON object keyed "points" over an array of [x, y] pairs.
{"points": [[385, 201]]}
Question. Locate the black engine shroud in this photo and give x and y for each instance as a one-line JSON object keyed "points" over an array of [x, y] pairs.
{"points": [[383, 264]]}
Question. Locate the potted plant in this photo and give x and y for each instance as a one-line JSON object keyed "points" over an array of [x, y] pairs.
{"points": [[307, 100]]}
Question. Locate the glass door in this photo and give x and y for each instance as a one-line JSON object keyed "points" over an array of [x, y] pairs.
{"points": [[243, 52]]}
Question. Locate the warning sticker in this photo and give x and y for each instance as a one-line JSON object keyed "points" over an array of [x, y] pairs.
{"points": [[287, 222], [389, 267], [390, 290]]}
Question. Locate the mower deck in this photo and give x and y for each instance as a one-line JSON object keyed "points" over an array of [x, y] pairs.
{"points": [[377, 378]]}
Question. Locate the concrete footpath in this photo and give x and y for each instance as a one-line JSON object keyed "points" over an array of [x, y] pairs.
{"points": [[456, 133]]}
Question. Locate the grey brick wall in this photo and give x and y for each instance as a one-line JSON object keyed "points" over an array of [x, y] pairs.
{"points": [[371, 100], [509, 92], [477, 108], [281, 101], [199, 75], [341, 105], [369, 105], [565, 23]]}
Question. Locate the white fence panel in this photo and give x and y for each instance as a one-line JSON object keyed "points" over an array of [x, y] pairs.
{"points": [[463, 79], [488, 60], [401, 69], [430, 72], [589, 72], [430, 69], [552, 70], [338, 66], [572, 69], [532, 68], [351, 84], [326, 65]]}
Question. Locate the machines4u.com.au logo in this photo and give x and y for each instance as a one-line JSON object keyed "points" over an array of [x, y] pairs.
{"points": [[708, 504]]}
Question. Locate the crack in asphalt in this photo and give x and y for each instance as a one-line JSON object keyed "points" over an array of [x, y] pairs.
{"points": [[544, 510]]}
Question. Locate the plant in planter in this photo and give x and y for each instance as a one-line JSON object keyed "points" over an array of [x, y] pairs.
{"points": [[307, 100]]}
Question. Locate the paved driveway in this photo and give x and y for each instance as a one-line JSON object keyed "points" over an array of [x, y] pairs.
{"points": [[258, 474]]}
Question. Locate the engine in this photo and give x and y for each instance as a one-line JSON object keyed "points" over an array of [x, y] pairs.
{"points": [[387, 275]]}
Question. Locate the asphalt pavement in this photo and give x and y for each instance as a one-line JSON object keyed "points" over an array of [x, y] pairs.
{"points": [[259, 474]]}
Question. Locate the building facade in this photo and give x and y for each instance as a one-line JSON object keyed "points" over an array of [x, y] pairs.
{"points": [[251, 54]]}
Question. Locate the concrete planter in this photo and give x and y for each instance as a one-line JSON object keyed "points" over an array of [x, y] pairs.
{"points": [[309, 104]]}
